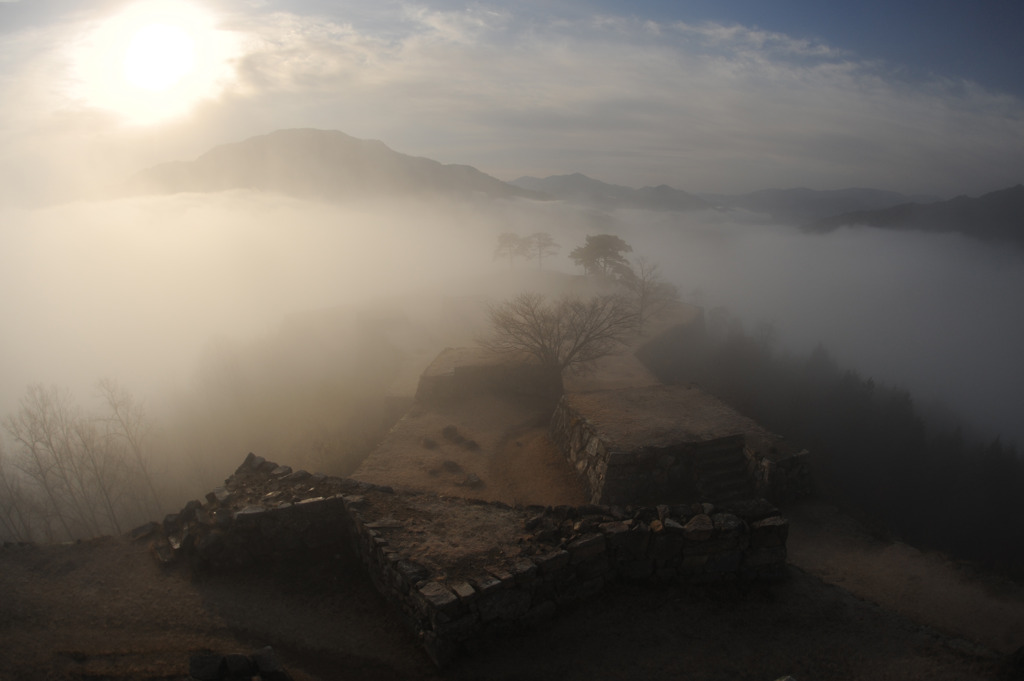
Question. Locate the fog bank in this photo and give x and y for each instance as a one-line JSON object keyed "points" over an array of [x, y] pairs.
{"points": [[939, 314], [137, 290]]}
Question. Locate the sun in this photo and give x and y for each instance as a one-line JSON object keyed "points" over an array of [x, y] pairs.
{"points": [[158, 57], [152, 61]]}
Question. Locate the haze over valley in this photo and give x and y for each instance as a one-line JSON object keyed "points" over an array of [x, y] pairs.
{"points": [[179, 219], [139, 288]]}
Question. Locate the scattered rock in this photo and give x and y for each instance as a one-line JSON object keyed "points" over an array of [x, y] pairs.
{"points": [[700, 528]]}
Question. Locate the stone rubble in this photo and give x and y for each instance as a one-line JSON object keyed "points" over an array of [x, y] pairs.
{"points": [[561, 555]]}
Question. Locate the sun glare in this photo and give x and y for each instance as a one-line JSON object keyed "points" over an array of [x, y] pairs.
{"points": [[158, 57], [154, 60]]}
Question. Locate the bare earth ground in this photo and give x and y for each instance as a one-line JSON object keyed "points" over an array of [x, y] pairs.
{"points": [[105, 610], [854, 607]]}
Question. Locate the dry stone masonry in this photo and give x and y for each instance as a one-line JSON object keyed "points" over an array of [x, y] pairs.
{"points": [[671, 444], [461, 569]]}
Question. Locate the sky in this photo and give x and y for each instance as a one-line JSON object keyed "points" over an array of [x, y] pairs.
{"points": [[917, 97]]}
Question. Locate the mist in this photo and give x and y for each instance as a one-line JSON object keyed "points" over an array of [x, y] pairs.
{"points": [[937, 314], [151, 291]]}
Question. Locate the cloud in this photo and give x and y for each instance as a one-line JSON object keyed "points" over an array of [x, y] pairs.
{"points": [[700, 106], [706, 107]]}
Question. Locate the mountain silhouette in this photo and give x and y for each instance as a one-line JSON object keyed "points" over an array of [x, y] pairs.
{"points": [[998, 215], [582, 189], [322, 164], [800, 206]]}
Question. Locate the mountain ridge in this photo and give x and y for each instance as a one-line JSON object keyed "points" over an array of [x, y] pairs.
{"points": [[312, 163], [331, 165], [997, 215]]}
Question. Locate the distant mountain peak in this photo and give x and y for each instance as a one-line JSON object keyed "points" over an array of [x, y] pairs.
{"points": [[323, 164]]}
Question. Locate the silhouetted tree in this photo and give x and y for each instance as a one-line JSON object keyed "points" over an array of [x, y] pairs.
{"points": [[16, 506], [540, 245], [561, 335], [78, 468], [603, 254], [512, 246]]}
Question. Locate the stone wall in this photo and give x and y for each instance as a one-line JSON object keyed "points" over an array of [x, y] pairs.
{"points": [[582, 552], [620, 470], [780, 475], [555, 557], [463, 372]]}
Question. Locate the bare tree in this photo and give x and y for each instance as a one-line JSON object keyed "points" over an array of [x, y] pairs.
{"points": [[16, 506], [128, 425], [41, 430], [82, 472], [650, 294], [562, 335]]}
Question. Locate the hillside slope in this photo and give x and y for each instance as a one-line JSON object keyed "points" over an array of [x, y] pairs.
{"points": [[322, 164]]}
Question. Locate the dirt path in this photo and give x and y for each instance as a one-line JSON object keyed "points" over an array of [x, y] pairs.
{"points": [[925, 587], [502, 442]]}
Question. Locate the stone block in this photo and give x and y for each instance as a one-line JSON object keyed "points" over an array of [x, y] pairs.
{"points": [[411, 571], [666, 546], [699, 528], [593, 568], [636, 542], [616, 533], [693, 564], [465, 592], [636, 570], [460, 628], [506, 578], [486, 584], [552, 561], [506, 604], [672, 525], [727, 523], [586, 547], [725, 562], [769, 532], [435, 596], [524, 571], [578, 590]]}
